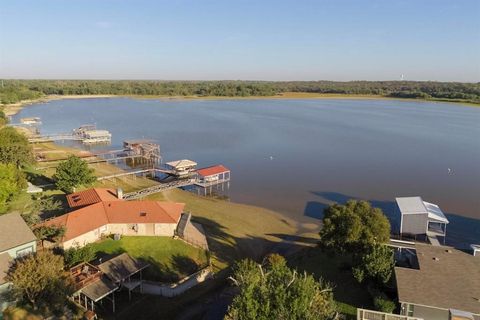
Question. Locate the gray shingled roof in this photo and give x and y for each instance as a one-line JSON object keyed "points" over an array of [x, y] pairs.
{"points": [[121, 267], [99, 289], [451, 281], [14, 231]]}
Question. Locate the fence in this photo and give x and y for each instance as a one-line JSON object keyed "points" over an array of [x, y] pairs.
{"points": [[363, 314], [175, 289]]}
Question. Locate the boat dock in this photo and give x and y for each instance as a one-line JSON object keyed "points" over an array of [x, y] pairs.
{"points": [[204, 181], [143, 152], [87, 134]]}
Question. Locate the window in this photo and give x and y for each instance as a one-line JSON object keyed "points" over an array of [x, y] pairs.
{"points": [[410, 310], [24, 251]]}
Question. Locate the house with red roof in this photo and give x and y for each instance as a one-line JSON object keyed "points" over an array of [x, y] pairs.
{"points": [[101, 212]]}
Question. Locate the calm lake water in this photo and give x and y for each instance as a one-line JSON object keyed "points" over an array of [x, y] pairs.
{"points": [[296, 156]]}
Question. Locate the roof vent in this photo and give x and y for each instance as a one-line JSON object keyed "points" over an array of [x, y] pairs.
{"points": [[436, 259], [143, 214]]}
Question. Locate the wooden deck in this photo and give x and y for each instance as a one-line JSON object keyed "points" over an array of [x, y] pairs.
{"points": [[54, 137]]}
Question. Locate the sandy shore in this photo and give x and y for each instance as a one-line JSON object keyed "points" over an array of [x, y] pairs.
{"points": [[14, 108]]}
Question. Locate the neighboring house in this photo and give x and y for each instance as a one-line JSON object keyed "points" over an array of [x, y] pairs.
{"points": [[98, 217], [16, 240], [419, 217], [445, 286]]}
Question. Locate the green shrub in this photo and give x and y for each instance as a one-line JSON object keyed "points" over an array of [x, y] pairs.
{"points": [[383, 303], [74, 256]]}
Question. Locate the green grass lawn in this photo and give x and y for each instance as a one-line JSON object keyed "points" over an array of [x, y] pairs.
{"points": [[236, 231], [170, 259], [348, 293]]}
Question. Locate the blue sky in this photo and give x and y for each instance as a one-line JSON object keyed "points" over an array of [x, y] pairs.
{"points": [[242, 39]]}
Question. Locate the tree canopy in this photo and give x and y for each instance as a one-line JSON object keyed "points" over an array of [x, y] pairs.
{"points": [[17, 90], [274, 291], [49, 233], [354, 226], [14, 147], [11, 183], [3, 118], [73, 173], [40, 280], [76, 255], [375, 265]]}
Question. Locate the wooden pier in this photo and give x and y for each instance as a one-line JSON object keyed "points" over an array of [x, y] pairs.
{"points": [[53, 137], [158, 188]]}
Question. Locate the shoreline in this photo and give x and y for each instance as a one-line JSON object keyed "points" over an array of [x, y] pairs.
{"points": [[238, 220], [14, 108]]}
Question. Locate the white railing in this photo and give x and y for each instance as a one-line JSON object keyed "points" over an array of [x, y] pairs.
{"points": [[364, 314]]}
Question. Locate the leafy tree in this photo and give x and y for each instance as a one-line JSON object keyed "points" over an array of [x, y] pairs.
{"points": [[49, 233], [383, 303], [11, 183], [354, 227], [274, 291], [40, 281], [31, 213], [17, 90], [377, 265], [74, 256], [31, 218], [73, 173], [14, 147], [3, 118]]}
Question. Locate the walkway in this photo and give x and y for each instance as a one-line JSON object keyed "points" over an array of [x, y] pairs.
{"points": [[157, 188]]}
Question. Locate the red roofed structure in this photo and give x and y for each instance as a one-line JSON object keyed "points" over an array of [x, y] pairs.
{"points": [[91, 222], [91, 196], [210, 177], [212, 171]]}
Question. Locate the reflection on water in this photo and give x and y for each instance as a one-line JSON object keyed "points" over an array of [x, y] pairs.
{"points": [[296, 156]]}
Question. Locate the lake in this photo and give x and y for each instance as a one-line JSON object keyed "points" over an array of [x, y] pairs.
{"points": [[296, 156]]}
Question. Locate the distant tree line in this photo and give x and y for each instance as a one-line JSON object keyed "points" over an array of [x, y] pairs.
{"points": [[12, 91]]}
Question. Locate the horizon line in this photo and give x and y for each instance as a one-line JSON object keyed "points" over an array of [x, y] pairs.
{"points": [[226, 80]]}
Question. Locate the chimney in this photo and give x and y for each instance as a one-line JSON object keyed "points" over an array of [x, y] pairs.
{"points": [[119, 193]]}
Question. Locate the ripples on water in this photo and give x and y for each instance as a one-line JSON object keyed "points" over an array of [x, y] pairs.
{"points": [[296, 156]]}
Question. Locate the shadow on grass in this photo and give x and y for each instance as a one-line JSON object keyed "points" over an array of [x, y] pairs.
{"points": [[181, 266], [228, 248], [337, 270], [40, 179], [209, 297]]}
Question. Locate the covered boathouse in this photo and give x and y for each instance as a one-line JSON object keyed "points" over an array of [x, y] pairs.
{"points": [[421, 218], [217, 177], [181, 168]]}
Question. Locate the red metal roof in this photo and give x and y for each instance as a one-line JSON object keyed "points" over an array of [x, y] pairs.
{"points": [[90, 196], [213, 170]]}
